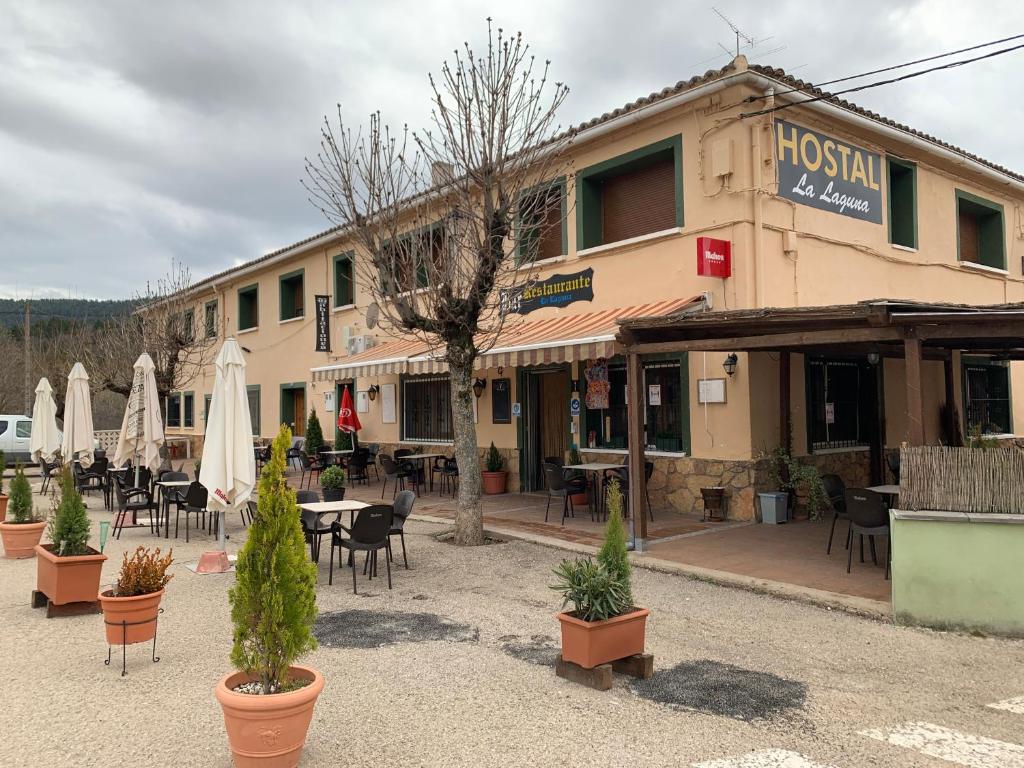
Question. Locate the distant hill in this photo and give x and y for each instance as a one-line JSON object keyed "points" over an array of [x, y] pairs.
{"points": [[55, 311]]}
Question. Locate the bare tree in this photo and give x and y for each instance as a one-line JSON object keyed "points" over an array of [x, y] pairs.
{"points": [[447, 221]]}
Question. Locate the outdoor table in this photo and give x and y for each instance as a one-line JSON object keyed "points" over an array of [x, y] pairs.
{"points": [[165, 502], [336, 454], [891, 492], [597, 467], [321, 508], [421, 457]]}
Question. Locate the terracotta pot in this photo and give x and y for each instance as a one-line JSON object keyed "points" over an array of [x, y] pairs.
{"points": [[579, 499], [3, 506], [592, 643], [133, 610], [20, 539], [334, 494], [494, 482], [73, 579], [268, 731]]}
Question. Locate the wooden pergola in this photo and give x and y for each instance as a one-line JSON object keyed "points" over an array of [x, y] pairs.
{"points": [[914, 331]]}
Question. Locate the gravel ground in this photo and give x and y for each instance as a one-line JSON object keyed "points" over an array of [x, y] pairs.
{"points": [[453, 667]]}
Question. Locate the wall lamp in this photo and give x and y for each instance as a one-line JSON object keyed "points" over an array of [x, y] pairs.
{"points": [[730, 363], [873, 358], [372, 392], [479, 385]]}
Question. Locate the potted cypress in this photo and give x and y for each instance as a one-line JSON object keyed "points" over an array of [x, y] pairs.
{"points": [[3, 496], [314, 435], [22, 532], [578, 499], [332, 480], [135, 598], [268, 703], [68, 568], [495, 478], [604, 624]]}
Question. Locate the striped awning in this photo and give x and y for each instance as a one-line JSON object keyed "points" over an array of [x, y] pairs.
{"points": [[562, 338]]}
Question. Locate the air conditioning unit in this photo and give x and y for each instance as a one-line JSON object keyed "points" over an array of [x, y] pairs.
{"points": [[358, 344]]}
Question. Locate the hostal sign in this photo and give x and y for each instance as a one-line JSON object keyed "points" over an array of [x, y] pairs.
{"points": [[829, 174]]}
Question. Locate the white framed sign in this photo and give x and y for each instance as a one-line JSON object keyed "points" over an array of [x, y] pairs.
{"points": [[710, 390], [654, 394], [362, 402], [329, 401], [388, 410]]}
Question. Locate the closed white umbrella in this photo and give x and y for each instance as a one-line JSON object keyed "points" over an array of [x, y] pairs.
{"points": [[78, 433], [228, 470], [44, 443], [142, 431]]}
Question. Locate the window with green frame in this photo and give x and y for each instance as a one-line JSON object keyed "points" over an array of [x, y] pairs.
{"points": [[902, 178], [291, 287], [541, 222], [838, 407], [252, 393], [188, 325], [987, 398], [980, 231], [172, 410], [344, 279], [210, 319], [207, 399], [248, 307], [635, 194]]}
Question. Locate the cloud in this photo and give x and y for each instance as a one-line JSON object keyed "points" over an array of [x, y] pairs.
{"points": [[135, 134]]}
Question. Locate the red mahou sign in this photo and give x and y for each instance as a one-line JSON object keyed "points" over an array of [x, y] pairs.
{"points": [[714, 257]]}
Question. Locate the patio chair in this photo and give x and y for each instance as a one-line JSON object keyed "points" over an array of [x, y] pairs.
{"points": [[893, 462], [869, 517], [402, 509], [252, 509], [133, 500], [370, 533], [373, 449], [47, 471], [309, 521], [450, 476], [559, 485], [172, 495], [310, 467], [835, 489], [358, 465], [398, 473], [92, 479], [436, 469], [193, 503]]}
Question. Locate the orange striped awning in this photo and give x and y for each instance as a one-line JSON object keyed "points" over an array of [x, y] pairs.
{"points": [[562, 338]]}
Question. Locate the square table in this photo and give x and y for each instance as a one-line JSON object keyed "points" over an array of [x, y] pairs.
{"points": [[336, 454], [321, 508], [165, 502], [421, 457]]}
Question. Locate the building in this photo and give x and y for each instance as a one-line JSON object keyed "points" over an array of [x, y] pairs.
{"points": [[693, 198]]}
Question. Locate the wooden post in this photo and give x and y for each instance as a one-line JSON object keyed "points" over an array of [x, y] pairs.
{"points": [[785, 416], [950, 425], [915, 401], [635, 432]]}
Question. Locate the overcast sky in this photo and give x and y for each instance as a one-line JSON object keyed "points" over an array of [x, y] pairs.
{"points": [[133, 134]]}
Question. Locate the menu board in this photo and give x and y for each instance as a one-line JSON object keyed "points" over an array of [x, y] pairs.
{"points": [[501, 401]]}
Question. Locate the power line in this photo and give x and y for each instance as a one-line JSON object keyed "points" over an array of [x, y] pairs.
{"points": [[890, 81]]}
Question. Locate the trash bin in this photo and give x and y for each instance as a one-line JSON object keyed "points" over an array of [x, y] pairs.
{"points": [[774, 507]]}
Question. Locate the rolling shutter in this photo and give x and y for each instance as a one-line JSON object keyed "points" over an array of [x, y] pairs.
{"points": [[639, 201]]}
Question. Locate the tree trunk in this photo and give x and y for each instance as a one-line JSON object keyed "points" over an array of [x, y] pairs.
{"points": [[469, 521]]}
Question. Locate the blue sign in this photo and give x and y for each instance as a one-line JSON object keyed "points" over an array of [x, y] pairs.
{"points": [[574, 406]]}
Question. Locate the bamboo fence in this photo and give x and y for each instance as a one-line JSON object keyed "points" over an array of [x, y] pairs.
{"points": [[962, 479]]}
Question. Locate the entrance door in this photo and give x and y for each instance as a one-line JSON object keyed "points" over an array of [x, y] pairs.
{"points": [[546, 421], [293, 409]]}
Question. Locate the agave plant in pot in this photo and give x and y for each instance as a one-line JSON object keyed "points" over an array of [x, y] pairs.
{"points": [[268, 703], [604, 625], [130, 607], [494, 477], [332, 480], [68, 569], [23, 531]]}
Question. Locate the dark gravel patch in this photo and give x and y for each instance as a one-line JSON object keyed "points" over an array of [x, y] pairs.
{"points": [[374, 629], [536, 649], [722, 689]]}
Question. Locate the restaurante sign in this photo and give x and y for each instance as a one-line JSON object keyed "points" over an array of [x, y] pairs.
{"points": [[828, 174], [556, 291]]}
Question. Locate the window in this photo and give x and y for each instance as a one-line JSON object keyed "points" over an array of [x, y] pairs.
{"points": [[248, 307], [632, 195], [902, 203], [838, 410], [174, 410], [3, 427], [210, 319], [987, 396], [406, 262], [666, 408], [427, 409], [188, 403], [23, 429], [980, 231], [291, 295], [542, 224], [252, 392], [207, 399], [344, 283], [188, 325]]}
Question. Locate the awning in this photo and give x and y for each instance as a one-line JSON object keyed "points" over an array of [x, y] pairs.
{"points": [[559, 339]]}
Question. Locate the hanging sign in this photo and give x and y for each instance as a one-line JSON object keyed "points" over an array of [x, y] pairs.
{"points": [[714, 257], [828, 174], [574, 405], [555, 291], [323, 324]]}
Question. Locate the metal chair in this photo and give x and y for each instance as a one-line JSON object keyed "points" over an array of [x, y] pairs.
{"points": [[370, 533], [869, 517], [402, 508], [835, 489]]}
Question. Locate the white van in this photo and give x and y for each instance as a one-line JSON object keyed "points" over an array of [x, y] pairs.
{"points": [[15, 432]]}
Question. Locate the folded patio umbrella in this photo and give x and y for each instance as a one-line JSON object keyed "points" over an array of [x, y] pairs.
{"points": [[78, 433], [228, 469], [142, 431], [44, 442], [348, 419]]}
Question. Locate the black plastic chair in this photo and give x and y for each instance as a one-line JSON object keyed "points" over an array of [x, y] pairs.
{"points": [[310, 467], [133, 500], [172, 495], [193, 503], [312, 526], [357, 466], [402, 509], [450, 476], [47, 471], [559, 485], [370, 533], [869, 516], [397, 472], [893, 462], [436, 470], [835, 489], [92, 479]]}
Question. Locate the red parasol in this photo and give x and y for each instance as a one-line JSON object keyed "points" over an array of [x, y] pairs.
{"points": [[348, 421]]}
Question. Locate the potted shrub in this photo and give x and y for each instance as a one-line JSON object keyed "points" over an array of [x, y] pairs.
{"points": [[604, 624], [268, 703], [68, 568], [3, 496], [22, 532], [495, 477], [135, 598], [578, 499], [332, 480]]}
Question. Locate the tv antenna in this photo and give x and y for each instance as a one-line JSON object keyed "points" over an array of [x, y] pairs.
{"points": [[743, 40]]}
